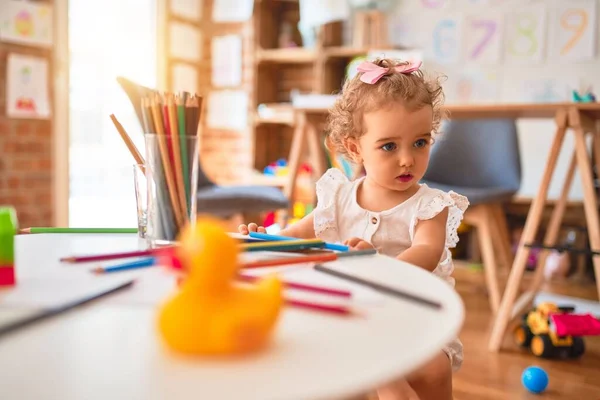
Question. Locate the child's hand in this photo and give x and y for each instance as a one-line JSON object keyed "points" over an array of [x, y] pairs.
{"points": [[358, 244], [251, 227]]}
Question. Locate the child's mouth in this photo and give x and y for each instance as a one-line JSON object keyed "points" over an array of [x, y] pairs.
{"points": [[405, 177]]}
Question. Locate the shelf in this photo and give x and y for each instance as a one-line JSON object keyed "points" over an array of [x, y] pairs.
{"points": [[294, 55], [344, 52], [265, 180], [274, 120], [275, 113]]}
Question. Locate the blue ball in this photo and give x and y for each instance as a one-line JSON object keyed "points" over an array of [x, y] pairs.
{"points": [[535, 379], [282, 162]]}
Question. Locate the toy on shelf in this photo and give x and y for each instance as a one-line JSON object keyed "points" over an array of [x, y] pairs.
{"points": [[277, 168], [551, 331], [213, 313], [584, 96], [8, 229], [300, 211]]}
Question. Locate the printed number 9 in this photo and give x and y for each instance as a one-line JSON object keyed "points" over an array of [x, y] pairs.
{"points": [[575, 21]]}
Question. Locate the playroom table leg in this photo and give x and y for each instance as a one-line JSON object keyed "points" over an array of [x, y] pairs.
{"points": [[529, 232]]}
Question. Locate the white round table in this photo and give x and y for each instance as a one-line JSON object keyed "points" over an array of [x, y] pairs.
{"points": [[110, 349]]}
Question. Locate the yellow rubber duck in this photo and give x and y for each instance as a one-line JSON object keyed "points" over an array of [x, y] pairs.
{"points": [[213, 313]]}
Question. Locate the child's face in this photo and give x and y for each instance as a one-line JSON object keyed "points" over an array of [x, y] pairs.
{"points": [[395, 147]]}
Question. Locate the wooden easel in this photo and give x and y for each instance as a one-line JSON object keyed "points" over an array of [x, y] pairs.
{"points": [[582, 123]]}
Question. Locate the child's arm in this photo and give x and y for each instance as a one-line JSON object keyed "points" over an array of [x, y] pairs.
{"points": [[429, 242], [302, 229]]}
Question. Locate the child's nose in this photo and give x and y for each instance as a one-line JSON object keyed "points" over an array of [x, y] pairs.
{"points": [[406, 158]]}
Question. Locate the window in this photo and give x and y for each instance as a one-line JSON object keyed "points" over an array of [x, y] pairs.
{"points": [[107, 39]]}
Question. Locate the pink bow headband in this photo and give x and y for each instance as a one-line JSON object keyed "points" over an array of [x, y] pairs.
{"points": [[373, 72]]}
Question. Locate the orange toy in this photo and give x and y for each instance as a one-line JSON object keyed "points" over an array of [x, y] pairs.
{"points": [[213, 313]]}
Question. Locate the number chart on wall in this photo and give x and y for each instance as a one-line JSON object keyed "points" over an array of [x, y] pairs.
{"points": [[538, 44]]}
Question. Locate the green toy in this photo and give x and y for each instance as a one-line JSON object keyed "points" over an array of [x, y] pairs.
{"points": [[8, 229]]}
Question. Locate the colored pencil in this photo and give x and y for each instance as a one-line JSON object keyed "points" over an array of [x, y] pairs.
{"points": [[341, 310], [173, 118], [166, 161], [143, 263], [283, 245], [128, 142], [379, 287], [48, 313], [302, 286], [180, 102], [174, 126], [114, 256], [322, 257], [267, 237], [77, 230]]}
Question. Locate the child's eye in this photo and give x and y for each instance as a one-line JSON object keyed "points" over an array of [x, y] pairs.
{"points": [[389, 147], [421, 143]]}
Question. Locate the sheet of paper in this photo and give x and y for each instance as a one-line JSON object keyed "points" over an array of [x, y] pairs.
{"points": [[232, 10], [526, 34], [318, 12], [189, 9], [549, 90], [26, 22], [573, 30], [436, 4], [473, 86], [228, 109], [47, 292], [185, 41], [445, 44], [184, 78], [483, 38], [27, 87], [227, 61], [408, 30]]}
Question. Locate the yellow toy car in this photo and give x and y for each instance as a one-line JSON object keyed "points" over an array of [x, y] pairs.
{"points": [[550, 331]]}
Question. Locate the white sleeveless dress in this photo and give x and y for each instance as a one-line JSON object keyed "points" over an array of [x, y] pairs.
{"points": [[338, 217]]}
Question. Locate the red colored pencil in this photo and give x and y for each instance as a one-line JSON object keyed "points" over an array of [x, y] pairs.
{"points": [[322, 257], [304, 286], [342, 310], [113, 256]]}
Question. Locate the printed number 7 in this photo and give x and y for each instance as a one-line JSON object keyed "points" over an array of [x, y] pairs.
{"points": [[489, 30]]}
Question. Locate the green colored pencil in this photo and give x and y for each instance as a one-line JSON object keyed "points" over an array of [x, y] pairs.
{"points": [[184, 150], [77, 230], [300, 244]]}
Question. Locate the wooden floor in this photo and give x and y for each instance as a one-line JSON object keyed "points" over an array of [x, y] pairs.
{"points": [[486, 375]]}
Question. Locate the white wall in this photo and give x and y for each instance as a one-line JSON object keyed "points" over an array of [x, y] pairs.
{"points": [[498, 77]]}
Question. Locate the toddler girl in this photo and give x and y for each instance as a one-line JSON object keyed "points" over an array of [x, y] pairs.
{"points": [[385, 120]]}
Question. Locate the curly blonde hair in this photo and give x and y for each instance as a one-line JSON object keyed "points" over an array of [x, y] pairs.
{"points": [[413, 90]]}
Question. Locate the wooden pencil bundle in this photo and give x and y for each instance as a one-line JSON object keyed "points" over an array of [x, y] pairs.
{"points": [[172, 119]]}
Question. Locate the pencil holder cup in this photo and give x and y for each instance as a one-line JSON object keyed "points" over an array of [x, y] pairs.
{"points": [[141, 198], [172, 185]]}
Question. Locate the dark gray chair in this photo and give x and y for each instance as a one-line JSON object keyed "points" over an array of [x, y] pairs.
{"points": [[222, 201], [480, 159]]}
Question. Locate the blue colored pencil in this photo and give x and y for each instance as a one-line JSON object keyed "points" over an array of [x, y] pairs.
{"points": [[265, 236], [142, 263], [298, 244]]}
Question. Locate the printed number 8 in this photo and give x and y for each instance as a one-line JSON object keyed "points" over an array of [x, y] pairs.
{"points": [[526, 25]]}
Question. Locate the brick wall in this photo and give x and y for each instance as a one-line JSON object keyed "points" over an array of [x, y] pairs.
{"points": [[25, 153]]}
